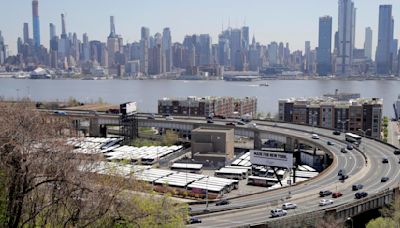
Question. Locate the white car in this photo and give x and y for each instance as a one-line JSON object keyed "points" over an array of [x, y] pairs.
{"points": [[252, 125], [315, 136], [278, 213], [325, 202], [287, 206], [169, 118]]}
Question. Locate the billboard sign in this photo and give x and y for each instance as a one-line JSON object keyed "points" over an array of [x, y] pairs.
{"points": [[273, 159], [128, 108]]}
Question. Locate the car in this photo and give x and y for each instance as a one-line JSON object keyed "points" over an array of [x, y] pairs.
{"points": [[278, 213], [396, 152], [219, 117], [60, 113], [315, 136], [343, 177], [325, 202], [341, 172], [151, 117], [349, 147], [287, 206], [329, 143], [166, 115], [241, 123], [336, 133], [385, 160], [194, 220], [336, 194], [230, 124], [357, 187], [325, 193], [169, 118], [343, 150], [360, 195], [252, 125], [384, 179], [210, 121], [399, 161], [222, 202]]}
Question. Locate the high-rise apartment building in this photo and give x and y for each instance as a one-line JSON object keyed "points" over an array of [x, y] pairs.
{"points": [[324, 51], [346, 37], [35, 23], [368, 43], [384, 56]]}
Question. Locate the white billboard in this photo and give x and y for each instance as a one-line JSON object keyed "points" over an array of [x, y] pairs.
{"points": [[131, 108], [273, 159]]}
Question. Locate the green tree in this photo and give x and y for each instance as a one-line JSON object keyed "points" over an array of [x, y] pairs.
{"points": [[381, 223], [170, 138]]}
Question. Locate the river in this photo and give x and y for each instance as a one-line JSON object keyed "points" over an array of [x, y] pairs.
{"points": [[147, 92]]}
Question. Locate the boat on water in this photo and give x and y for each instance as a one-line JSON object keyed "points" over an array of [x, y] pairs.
{"points": [[21, 75], [264, 84]]}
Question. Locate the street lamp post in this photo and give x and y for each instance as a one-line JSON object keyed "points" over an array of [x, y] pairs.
{"points": [[364, 132], [351, 220], [343, 123]]}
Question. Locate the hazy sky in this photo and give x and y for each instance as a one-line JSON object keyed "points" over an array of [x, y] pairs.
{"points": [[293, 21]]}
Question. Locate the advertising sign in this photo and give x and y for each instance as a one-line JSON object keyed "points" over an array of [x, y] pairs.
{"points": [[128, 108], [273, 159]]}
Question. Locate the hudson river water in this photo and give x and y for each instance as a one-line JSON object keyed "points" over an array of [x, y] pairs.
{"points": [[146, 93]]}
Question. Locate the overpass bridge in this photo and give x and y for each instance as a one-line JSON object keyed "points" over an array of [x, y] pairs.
{"points": [[364, 166]]}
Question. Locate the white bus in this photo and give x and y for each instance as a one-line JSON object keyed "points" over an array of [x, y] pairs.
{"points": [[352, 138]]}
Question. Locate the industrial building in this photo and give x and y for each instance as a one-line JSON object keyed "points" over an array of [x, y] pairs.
{"points": [[213, 145], [206, 106], [360, 116]]}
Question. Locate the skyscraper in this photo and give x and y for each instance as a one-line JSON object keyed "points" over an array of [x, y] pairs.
{"points": [[166, 46], [236, 43], [385, 40], [144, 55], [36, 25], [2, 49], [205, 49], [52, 31], [246, 37], [368, 43], [307, 57], [26, 33], [63, 27], [346, 37], [112, 44], [63, 44], [324, 51]]}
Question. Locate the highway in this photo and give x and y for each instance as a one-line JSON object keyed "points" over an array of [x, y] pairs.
{"points": [[306, 195], [255, 208]]}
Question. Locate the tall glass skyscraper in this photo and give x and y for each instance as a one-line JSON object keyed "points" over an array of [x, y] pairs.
{"points": [[385, 40], [346, 37], [324, 51], [35, 22], [368, 43]]}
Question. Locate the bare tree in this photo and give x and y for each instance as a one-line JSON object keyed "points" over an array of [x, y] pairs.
{"points": [[46, 183]]}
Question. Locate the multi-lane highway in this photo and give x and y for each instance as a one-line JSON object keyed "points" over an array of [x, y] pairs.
{"points": [[366, 169], [306, 195]]}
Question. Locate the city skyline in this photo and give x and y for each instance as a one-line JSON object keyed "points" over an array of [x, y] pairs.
{"points": [[128, 24]]}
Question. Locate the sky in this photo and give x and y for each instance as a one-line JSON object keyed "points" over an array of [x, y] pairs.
{"points": [[293, 21]]}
